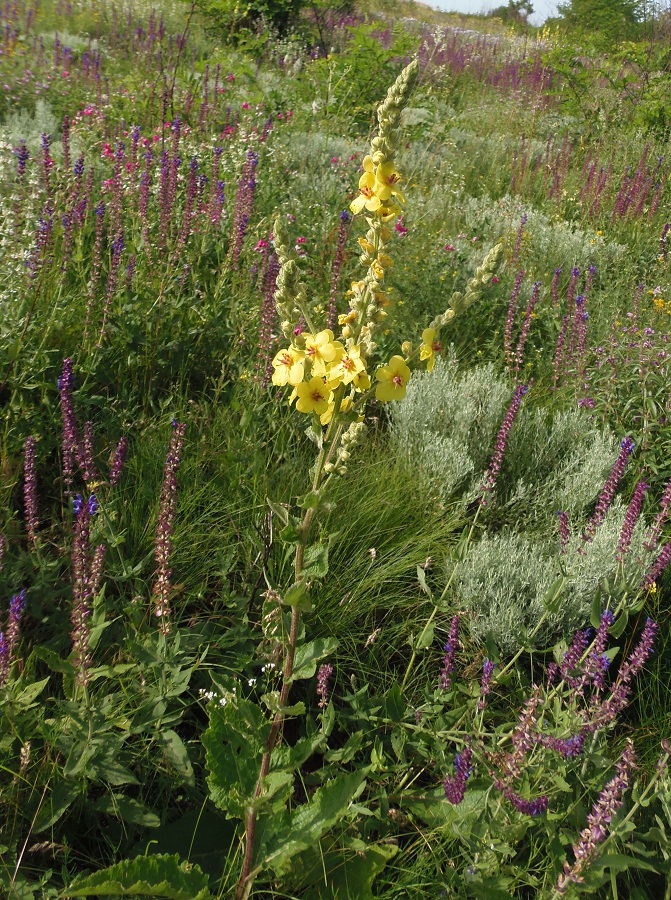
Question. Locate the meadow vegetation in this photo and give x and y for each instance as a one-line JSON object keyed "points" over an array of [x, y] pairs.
{"points": [[335, 470]]}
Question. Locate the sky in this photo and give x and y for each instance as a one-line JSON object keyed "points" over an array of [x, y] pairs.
{"points": [[542, 8]]}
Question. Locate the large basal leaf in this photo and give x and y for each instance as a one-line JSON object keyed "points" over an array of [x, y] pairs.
{"points": [[312, 820], [234, 744], [351, 876], [159, 875]]}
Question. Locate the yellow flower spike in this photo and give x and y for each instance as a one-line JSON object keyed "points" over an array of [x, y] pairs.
{"points": [[319, 350], [349, 366], [288, 366], [381, 298], [385, 260], [429, 347], [377, 269], [313, 396], [393, 379]]}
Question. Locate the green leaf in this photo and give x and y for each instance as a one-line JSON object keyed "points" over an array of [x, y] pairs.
{"points": [[553, 595], [595, 614], [308, 655], [177, 755], [421, 578], [313, 819], [281, 510], [425, 638], [316, 562], [31, 692], [159, 875], [311, 500], [57, 803], [617, 628], [291, 533], [128, 810], [352, 876], [296, 596], [234, 744]]}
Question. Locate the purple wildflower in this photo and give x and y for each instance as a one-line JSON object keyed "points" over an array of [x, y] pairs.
{"points": [[510, 319], [653, 534], [118, 461], [71, 448], [22, 154], [17, 606], [343, 228], [609, 488], [555, 287], [658, 567], [455, 785], [518, 240], [166, 524], [630, 519], [450, 651], [323, 684], [485, 682], [489, 480], [30, 490], [524, 333], [82, 587], [603, 811]]}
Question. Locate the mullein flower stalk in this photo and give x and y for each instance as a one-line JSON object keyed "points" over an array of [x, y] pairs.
{"points": [[609, 488], [491, 475], [30, 490], [603, 811], [165, 527], [10, 639]]}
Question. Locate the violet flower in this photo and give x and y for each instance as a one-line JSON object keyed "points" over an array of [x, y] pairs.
{"points": [[455, 785], [490, 476], [451, 646], [609, 801], [630, 519], [10, 638], [323, 684], [485, 682], [608, 492], [165, 526], [30, 490]]}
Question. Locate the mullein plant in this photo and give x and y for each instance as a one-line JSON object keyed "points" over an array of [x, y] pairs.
{"points": [[329, 378]]}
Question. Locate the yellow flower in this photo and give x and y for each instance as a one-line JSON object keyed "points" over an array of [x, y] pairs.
{"points": [[320, 349], [385, 261], [313, 396], [366, 245], [346, 318], [326, 417], [367, 197], [349, 366], [361, 381], [429, 347], [387, 178], [659, 302], [378, 271], [393, 379], [288, 365]]}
